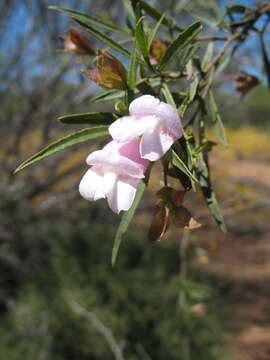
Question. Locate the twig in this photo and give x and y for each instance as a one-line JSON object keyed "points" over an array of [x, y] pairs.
{"points": [[212, 37], [216, 60], [100, 327]]}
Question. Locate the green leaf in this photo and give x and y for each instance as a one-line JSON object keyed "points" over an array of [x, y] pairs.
{"points": [[96, 118], [193, 88], [132, 68], [188, 55], [182, 40], [144, 86], [102, 37], [216, 119], [208, 192], [141, 40], [208, 54], [67, 141], [126, 220], [204, 17], [179, 163], [154, 32], [223, 62], [209, 13], [129, 13], [266, 61], [155, 14], [109, 95], [167, 94], [90, 20]]}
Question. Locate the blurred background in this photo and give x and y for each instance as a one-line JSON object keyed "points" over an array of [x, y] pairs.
{"points": [[59, 296]]}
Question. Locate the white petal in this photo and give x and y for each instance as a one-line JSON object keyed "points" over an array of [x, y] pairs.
{"points": [[91, 186], [122, 194], [143, 105], [125, 129], [155, 144], [170, 119]]}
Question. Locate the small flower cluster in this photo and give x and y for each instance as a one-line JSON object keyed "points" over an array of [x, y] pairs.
{"points": [[145, 135]]}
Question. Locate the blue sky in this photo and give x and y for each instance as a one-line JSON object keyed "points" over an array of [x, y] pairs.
{"points": [[20, 22]]}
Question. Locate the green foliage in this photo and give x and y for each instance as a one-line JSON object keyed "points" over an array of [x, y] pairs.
{"points": [[216, 119], [186, 69], [93, 118], [208, 192], [125, 221], [65, 142], [137, 300], [182, 40], [89, 19]]}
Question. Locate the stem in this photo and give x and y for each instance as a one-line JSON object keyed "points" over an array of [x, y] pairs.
{"points": [[222, 51], [183, 246]]}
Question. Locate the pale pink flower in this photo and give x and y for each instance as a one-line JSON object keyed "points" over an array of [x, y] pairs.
{"points": [[156, 122], [115, 173]]}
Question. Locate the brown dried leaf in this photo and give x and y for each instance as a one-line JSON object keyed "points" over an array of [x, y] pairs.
{"points": [[182, 218], [245, 82], [160, 222]]}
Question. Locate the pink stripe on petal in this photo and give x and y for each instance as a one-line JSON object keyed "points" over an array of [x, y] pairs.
{"points": [[120, 157]]}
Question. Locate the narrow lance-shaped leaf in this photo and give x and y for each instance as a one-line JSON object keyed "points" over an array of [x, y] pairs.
{"points": [[180, 42], [193, 88], [141, 40], [179, 163], [102, 37], [108, 95], [216, 119], [144, 85], [95, 118], [154, 32], [90, 19], [67, 141], [208, 192], [132, 68], [188, 55], [223, 62], [126, 220], [155, 14], [212, 17], [208, 54], [129, 13], [167, 94]]}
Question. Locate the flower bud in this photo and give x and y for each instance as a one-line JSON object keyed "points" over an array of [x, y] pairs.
{"points": [[157, 50], [76, 42], [245, 82], [110, 72]]}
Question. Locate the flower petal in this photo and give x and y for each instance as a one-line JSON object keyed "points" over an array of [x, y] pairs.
{"points": [[170, 119], [120, 158], [143, 105], [155, 144], [91, 186], [125, 129], [122, 195], [131, 150]]}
